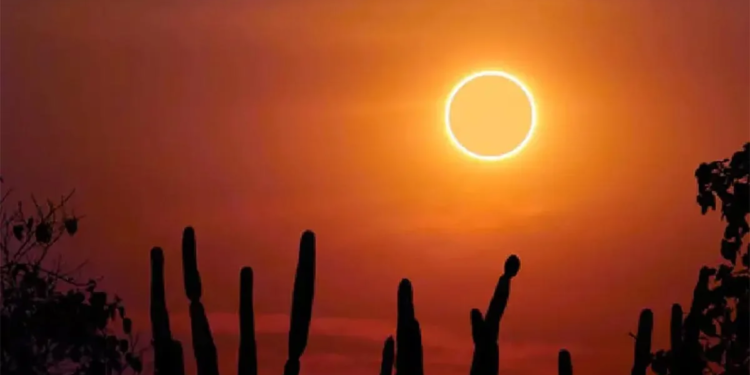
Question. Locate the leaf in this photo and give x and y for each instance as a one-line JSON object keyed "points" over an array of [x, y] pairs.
{"points": [[127, 325], [715, 353], [71, 225], [707, 326], [43, 233], [18, 232], [124, 345], [729, 250], [98, 299], [134, 362]]}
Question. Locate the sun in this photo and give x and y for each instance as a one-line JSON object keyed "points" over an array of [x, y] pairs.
{"points": [[517, 120]]}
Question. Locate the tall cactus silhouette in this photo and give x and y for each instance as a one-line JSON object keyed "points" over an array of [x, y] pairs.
{"points": [[408, 333], [642, 355], [302, 302], [248, 358], [485, 330], [685, 355], [204, 349], [169, 353], [564, 363]]}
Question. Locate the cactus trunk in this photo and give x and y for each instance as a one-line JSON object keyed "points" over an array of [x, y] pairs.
{"points": [[203, 343], [302, 303], [248, 358], [642, 356]]}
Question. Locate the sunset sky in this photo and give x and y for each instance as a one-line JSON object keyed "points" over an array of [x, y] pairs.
{"points": [[254, 120]]}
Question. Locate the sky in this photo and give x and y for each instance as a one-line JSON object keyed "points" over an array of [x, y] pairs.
{"points": [[255, 120]]}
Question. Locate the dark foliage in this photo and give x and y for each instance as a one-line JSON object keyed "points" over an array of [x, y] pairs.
{"points": [[714, 335], [717, 329], [52, 323], [168, 352]]}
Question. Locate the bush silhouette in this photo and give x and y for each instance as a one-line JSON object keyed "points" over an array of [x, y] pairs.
{"points": [[715, 334], [51, 321], [168, 352]]}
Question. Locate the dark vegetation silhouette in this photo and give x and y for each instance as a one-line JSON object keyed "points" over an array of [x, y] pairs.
{"points": [[51, 321], [168, 351], [710, 338]]}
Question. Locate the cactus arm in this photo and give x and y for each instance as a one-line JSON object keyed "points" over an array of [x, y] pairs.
{"points": [[203, 343], [302, 303], [164, 357], [564, 363], [642, 355], [248, 358], [408, 335], [386, 364]]}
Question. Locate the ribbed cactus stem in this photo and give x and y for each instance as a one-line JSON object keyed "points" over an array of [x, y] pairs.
{"points": [[190, 273], [160, 329], [203, 344], [302, 303], [499, 300], [408, 334], [177, 365], [642, 355], [248, 358], [480, 359], [386, 364], [564, 363]]}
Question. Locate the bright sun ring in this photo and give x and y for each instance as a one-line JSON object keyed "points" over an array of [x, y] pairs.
{"points": [[490, 73]]}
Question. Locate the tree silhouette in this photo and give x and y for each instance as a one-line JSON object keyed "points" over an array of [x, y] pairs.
{"points": [[715, 334], [52, 323], [168, 352]]}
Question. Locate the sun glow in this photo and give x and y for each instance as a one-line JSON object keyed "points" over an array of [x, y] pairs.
{"points": [[483, 156]]}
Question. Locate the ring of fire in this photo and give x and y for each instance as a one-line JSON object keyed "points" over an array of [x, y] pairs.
{"points": [[470, 78]]}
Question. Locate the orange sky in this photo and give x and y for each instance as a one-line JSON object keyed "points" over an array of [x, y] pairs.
{"points": [[255, 120]]}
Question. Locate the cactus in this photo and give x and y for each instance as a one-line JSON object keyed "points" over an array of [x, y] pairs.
{"points": [[564, 363], [642, 355], [168, 352], [408, 334], [204, 348], [302, 302], [248, 360], [386, 365], [684, 356], [486, 330]]}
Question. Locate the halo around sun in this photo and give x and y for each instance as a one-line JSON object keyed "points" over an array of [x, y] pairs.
{"points": [[487, 156]]}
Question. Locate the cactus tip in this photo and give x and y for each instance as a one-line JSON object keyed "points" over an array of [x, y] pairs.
{"points": [[308, 237], [157, 255], [512, 265], [246, 272]]}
